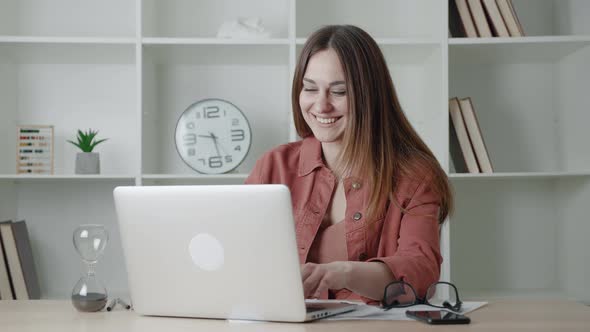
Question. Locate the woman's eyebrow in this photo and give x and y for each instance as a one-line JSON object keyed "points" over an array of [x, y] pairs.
{"points": [[331, 84], [337, 83]]}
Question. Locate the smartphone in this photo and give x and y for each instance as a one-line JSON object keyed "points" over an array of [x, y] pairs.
{"points": [[436, 317]]}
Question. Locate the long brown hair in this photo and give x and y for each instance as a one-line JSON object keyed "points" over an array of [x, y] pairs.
{"points": [[379, 143]]}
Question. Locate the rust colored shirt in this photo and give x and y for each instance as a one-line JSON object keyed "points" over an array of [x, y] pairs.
{"points": [[406, 241]]}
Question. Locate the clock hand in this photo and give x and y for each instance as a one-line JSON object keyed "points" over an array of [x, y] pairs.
{"points": [[215, 139], [215, 142], [223, 149]]}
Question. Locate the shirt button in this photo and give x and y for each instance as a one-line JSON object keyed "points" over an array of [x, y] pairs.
{"points": [[356, 185], [357, 216], [362, 256]]}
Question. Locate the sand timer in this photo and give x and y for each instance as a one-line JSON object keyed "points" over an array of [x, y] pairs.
{"points": [[89, 294]]}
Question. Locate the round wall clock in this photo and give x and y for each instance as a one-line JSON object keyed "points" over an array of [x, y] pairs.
{"points": [[213, 136]]}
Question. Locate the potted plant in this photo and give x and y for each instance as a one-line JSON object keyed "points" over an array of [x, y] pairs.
{"points": [[87, 162]]}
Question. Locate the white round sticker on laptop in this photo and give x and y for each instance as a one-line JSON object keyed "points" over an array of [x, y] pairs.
{"points": [[206, 252]]}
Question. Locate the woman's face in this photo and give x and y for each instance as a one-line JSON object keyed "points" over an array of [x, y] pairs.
{"points": [[323, 99]]}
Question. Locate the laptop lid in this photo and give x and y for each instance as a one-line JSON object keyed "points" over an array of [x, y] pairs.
{"points": [[226, 251]]}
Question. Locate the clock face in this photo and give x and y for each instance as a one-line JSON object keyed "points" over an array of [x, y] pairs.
{"points": [[213, 136]]}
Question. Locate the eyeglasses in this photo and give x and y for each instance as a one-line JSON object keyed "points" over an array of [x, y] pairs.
{"points": [[400, 294]]}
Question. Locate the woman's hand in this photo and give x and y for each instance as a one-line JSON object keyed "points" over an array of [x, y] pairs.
{"points": [[319, 278]]}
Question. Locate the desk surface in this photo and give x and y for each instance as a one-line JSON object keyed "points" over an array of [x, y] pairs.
{"points": [[534, 315]]}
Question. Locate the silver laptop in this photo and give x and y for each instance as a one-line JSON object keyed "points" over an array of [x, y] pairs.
{"points": [[226, 251]]}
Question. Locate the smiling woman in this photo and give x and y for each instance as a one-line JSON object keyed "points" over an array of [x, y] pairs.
{"points": [[367, 193]]}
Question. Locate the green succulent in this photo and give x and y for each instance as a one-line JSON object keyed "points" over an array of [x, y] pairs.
{"points": [[86, 140]]}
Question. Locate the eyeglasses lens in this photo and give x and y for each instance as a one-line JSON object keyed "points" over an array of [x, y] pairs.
{"points": [[399, 294], [442, 295]]}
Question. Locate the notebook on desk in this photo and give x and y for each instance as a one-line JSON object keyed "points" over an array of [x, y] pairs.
{"points": [[225, 252]]}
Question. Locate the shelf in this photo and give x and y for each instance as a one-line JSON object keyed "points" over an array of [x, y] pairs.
{"points": [[213, 41], [517, 175], [520, 40], [66, 40], [194, 177], [47, 178], [514, 50]]}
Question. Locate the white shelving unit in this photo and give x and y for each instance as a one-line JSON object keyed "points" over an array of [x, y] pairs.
{"points": [[130, 67], [519, 232]]}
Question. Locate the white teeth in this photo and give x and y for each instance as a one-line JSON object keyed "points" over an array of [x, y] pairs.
{"points": [[325, 120]]}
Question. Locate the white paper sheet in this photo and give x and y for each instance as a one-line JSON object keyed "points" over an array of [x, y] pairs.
{"points": [[370, 312]]}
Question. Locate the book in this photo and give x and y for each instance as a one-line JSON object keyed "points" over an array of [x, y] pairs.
{"points": [[5, 286], [509, 15], [495, 18], [19, 257], [457, 161], [479, 17], [455, 25], [475, 135], [467, 156], [460, 20]]}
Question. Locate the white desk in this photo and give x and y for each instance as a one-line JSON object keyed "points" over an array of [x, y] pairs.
{"points": [[20, 316]]}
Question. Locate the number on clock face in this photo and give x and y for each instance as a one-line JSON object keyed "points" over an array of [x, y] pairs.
{"points": [[213, 136]]}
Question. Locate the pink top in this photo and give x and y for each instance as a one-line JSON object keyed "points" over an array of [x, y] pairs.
{"points": [[329, 244], [406, 240]]}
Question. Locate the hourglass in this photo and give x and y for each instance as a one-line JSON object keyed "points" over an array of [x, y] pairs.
{"points": [[89, 294]]}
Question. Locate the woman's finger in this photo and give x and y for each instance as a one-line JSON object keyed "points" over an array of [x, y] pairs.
{"points": [[310, 284], [306, 270], [322, 286]]}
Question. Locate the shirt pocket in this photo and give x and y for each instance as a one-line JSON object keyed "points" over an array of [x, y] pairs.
{"points": [[310, 214], [303, 218]]}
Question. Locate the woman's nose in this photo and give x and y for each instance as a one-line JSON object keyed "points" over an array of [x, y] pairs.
{"points": [[322, 103]]}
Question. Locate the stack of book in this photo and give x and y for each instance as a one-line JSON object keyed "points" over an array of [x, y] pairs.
{"points": [[18, 276], [467, 147], [483, 18]]}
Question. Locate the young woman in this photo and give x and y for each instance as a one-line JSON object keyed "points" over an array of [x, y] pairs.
{"points": [[368, 194]]}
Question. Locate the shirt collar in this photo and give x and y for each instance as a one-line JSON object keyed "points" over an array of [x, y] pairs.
{"points": [[310, 157]]}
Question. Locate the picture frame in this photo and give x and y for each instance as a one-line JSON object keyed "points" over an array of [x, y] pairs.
{"points": [[34, 149]]}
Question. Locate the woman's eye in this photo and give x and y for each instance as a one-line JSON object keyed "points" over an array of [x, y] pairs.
{"points": [[309, 89], [339, 93]]}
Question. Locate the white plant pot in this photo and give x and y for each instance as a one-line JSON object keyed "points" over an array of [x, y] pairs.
{"points": [[87, 163]]}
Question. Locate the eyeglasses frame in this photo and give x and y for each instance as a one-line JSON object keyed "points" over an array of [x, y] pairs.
{"points": [[418, 300]]}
